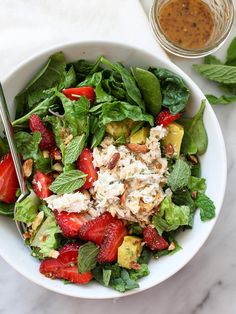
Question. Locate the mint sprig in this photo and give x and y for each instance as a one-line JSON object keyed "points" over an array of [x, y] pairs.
{"points": [[74, 149], [87, 258]]}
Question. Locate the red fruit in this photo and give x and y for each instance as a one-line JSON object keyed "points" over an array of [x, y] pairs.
{"points": [[70, 223], [36, 125], [41, 183], [69, 254], [94, 229], [65, 266], [85, 164], [8, 180], [74, 93], [72, 274], [165, 117], [55, 154], [113, 238], [153, 240]]}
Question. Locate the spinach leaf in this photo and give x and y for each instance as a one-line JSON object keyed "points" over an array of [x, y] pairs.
{"points": [[211, 60], [222, 100], [7, 209], [179, 176], [175, 93], [225, 74], [98, 136], [206, 206], [74, 149], [149, 86], [145, 256], [231, 53], [70, 79], [49, 76], [119, 110], [196, 131], [68, 182], [196, 170], [129, 82], [188, 145], [83, 68], [87, 258]]}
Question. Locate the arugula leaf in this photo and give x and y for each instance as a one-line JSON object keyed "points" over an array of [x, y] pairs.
{"points": [[222, 100], [74, 149], [26, 210], [49, 76], [231, 53], [206, 206], [129, 82], [119, 110], [87, 258], [211, 60], [175, 93], [7, 209], [197, 184], [179, 177], [68, 182], [48, 232], [225, 74], [149, 86]]}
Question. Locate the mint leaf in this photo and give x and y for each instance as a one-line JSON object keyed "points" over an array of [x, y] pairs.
{"points": [[225, 74], [139, 273], [106, 276], [87, 258], [211, 60], [197, 184], [221, 100], [179, 176], [68, 182], [74, 149], [231, 53], [206, 206]]}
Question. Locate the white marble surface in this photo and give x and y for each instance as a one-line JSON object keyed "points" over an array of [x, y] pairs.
{"points": [[208, 283]]}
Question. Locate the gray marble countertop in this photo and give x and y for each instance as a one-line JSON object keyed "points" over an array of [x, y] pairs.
{"points": [[207, 284]]}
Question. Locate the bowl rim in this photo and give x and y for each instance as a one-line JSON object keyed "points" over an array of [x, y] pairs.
{"points": [[59, 47]]}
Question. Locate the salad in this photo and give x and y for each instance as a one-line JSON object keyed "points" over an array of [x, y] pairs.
{"points": [[112, 165]]}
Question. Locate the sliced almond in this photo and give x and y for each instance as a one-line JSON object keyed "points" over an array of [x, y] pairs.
{"points": [[113, 161], [136, 148], [38, 220], [27, 168]]}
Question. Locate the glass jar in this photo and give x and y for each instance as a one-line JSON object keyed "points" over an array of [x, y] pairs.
{"points": [[223, 15]]}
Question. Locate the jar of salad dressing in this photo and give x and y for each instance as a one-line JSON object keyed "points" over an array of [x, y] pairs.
{"points": [[191, 28]]}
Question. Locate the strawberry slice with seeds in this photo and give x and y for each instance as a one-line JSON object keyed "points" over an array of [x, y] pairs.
{"points": [[41, 183], [85, 164], [113, 238], [94, 229], [70, 223], [8, 180], [165, 117], [65, 266], [153, 240], [36, 125]]}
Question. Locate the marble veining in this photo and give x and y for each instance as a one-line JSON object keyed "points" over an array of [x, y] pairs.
{"points": [[207, 284]]}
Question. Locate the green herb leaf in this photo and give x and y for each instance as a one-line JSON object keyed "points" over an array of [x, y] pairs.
{"points": [[139, 273], [206, 206], [222, 100], [197, 184], [27, 144], [26, 210], [231, 53], [74, 149], [211, 60], [179, 177], [68, 182], [87, 258], [219, 73], [7, 209], [106, 276]]}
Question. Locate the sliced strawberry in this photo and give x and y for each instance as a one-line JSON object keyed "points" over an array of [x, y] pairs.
{"points": [[70, 223], [68, 254], [113, 238], [65, 266], [165, 117], [8, 180], [72, 274], [94, 229], [55, 154], [153, 240], [41, 183], [85, 164], [36, 125], [75, 93]]}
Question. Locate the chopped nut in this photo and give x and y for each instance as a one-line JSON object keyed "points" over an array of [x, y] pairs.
{"points": [[56, 154], [54, 254], [169, 150], [113, 161], [68, 139], [43, 238], [193, 159], [45, 153], [27, 235], [27, 168], [38, 220], [171, 246], [57, 167], [55, 175], [136, 148], [194, 194]]}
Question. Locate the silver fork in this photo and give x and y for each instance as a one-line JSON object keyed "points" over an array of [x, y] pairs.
{"points": [[4, 114]]}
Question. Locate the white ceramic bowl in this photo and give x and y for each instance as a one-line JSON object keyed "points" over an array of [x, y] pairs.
{"points": [[18, 255]]}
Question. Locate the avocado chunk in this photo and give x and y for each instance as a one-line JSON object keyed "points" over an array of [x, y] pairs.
{"points": [[129, 251], [174, 137], [120, 128], [140, 136]]}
